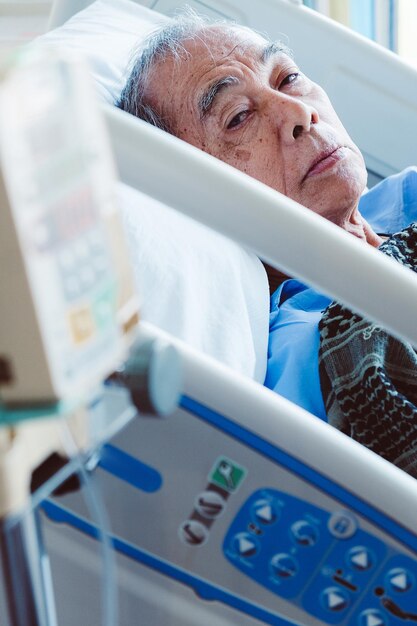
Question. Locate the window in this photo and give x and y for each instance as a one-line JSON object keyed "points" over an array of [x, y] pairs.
{"points": [[388, 22], [406, 29]]}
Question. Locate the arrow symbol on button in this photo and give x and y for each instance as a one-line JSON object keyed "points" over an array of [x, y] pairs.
{"points": [[373, 620], [265, 513], [400, 581], [335, 601], [361, 559], [245, 546]]}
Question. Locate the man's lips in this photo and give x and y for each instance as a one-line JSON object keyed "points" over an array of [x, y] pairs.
{"points": [[327, 159]]}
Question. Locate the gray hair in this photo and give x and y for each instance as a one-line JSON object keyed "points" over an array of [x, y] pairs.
{"points": [[167, 41], [164, 42]]}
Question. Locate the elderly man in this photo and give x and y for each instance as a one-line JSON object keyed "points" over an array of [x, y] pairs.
{"points": [[242, 99], [230, 92]]}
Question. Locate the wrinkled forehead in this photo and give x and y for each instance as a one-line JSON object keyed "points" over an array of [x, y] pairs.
{"points": [[213, 50], [213, 43]]}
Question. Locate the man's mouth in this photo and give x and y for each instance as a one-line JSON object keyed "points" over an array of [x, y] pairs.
{"points": [[326, 160]]}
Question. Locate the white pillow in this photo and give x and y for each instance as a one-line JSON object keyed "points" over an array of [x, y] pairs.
{"points": [[193, 282], [106, 33]]}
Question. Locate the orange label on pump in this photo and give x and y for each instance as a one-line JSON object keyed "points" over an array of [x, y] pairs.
{"points": [[82, 325]]}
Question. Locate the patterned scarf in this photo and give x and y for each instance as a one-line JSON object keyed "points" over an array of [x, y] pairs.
{"points": [[368, 378]]}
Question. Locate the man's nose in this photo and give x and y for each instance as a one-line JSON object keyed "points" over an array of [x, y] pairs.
{"points": [[294, 117]]}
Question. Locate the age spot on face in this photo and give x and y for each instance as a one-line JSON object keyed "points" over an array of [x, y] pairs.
{"points": [[243, 155]]}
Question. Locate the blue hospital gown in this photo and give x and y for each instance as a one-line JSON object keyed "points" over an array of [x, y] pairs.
{"points": [[296, 309]]}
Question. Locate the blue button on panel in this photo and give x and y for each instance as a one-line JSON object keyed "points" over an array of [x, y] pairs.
{"points": [[335, 600], [284, 565], [293, 536], [322, 561], [393, 593], [400, 580], [265, 512], [245, 545], [372, 617], [304, 533], [360, 558], [349, 567]]}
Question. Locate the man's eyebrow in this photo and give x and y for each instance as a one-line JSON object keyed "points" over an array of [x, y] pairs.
{"points": [[275, 47], [206, 101]]}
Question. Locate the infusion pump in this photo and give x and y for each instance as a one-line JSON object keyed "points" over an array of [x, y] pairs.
{"points": [[67, 303]]}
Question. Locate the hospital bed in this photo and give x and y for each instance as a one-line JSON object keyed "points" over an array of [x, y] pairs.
{"points": [[241, 508]]}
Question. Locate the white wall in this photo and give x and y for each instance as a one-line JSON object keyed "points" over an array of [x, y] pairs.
{"points": [[21, 20]]}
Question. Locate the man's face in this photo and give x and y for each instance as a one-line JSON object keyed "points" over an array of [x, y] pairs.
{"points": [[243, 101]]}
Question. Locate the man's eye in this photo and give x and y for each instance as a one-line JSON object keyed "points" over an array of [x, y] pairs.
{"points": [[237, 119], [291, 78]]}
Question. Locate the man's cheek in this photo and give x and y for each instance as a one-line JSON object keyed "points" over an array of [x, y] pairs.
{"points": [[242, 156]]}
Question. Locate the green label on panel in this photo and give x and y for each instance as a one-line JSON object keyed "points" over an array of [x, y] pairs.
{"points": [[105, 307], [227, 474]]}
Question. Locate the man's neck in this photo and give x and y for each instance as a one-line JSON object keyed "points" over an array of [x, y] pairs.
{"points": [[275, 277], [357, 226]]}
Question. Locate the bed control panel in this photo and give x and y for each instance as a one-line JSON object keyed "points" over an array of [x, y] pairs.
{"points": [[256, 542], [322, 562]]}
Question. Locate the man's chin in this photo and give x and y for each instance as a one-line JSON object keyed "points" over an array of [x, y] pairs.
{"points": [[334, 195]]}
